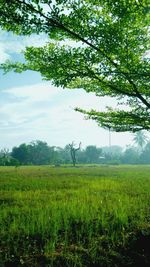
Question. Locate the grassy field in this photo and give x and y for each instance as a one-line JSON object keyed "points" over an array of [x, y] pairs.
{"points": [[85, 216]]}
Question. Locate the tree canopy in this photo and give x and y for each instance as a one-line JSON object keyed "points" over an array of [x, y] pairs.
{"points": [[140, 139], [100, 46], [35, 153], [40, 153]]}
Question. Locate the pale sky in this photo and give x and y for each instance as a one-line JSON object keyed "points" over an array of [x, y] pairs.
{"points": [[33, 109]]}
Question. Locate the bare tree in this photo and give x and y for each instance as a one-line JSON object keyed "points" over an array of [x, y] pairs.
{"points": [[73, 151]]}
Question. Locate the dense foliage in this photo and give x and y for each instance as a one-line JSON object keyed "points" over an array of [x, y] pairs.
{"points": [[40, 153], [100, 46]]}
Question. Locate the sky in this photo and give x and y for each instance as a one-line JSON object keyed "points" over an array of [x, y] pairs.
{"points": [[33, 109]]}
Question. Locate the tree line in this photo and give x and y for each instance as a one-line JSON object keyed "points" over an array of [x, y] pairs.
{"points": [[40, 153]]}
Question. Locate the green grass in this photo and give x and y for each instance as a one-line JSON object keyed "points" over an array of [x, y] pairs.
{"points": [[87, 216]]}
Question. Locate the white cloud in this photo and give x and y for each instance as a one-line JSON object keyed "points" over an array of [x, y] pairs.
{"points": [[10, 43], [45, 112], [3, 55], [34, 93]]}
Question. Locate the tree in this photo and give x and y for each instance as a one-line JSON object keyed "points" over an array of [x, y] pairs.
{"points": [[145, 155], [82, 159], [92, 154], [4, 157], [113, 154], [63, 155], [108, 55], [21, 153], [73, 151], [130, 156], [36, 153], [40, 153], [140, 139]]}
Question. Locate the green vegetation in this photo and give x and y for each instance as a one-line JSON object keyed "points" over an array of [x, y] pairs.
{"points": [[92, 216], [40, 153], [99, 46]]}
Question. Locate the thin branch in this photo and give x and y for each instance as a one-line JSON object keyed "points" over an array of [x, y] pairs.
{"points": [[58, 24], [111, 85], [147, 104]]}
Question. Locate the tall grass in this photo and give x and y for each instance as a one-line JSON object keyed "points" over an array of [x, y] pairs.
{"points": [[74, 216]]}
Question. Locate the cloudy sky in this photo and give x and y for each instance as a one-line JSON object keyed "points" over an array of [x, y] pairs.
{"points": [[33, 109]]}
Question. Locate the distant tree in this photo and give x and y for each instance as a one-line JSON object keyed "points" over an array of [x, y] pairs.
{"points": [[82, 156], [36, 153], [112, 155], [57, 157], [4, 157], [140, 139], [130, 156], [63, 154], [40, 153], [73, 151], [145, 155], [14, 162], [21, 153], [115, 151], [92, 154]]}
